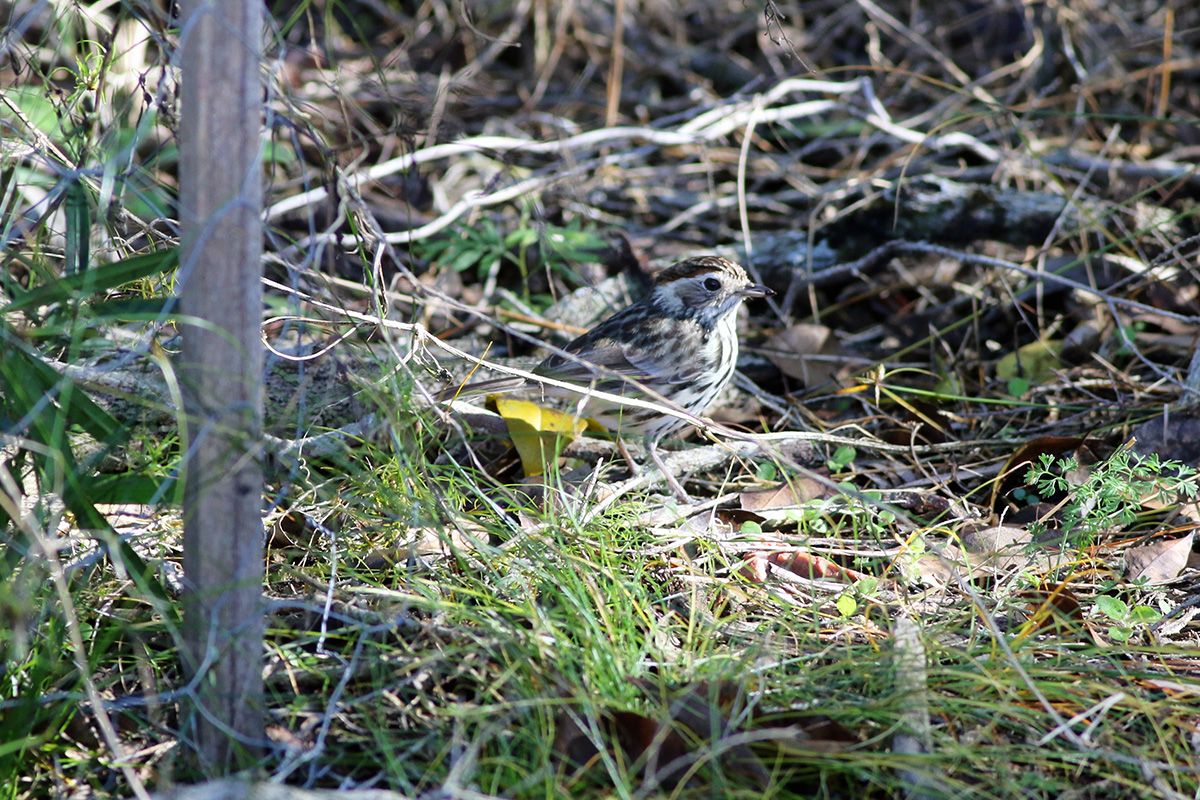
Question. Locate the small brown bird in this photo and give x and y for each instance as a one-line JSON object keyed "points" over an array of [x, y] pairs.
{"points": [[679, 342]]}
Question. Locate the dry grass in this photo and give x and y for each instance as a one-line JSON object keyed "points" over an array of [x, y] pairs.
{"points": [[981, 222]]}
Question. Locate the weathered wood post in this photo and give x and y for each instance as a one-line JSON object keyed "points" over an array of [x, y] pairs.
{"points": [[220, 209]]}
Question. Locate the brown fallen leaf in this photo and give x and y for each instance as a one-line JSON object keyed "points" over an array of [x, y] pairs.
{"points": [[786, 495], [805, 352], [1175, 437], [1160, 560], [999, 546]]}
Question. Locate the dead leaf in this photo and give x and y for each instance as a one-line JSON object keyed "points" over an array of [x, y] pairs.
{"points": [[997, 545], [1035, 362], [805, 352], [786, 495], [666, 748], [1054, 609], [538, 433], [1025, 456], [1158, 561], [757, 567], [1175, 437]]}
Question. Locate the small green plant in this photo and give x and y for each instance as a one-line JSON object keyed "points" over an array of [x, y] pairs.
{"points": [[1112, 491], [842, 457], [482, 246], [766, 471], [1125, 619], [1025, 496], [1127, 336], [866, 588], [1018, 386]]}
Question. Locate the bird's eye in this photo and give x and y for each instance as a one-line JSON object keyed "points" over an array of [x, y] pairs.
{"points": [[712, 284]]}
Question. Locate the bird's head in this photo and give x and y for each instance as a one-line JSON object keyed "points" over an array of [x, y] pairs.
{"points": [[705, 289]]}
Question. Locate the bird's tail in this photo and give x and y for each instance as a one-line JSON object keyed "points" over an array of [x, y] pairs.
{"points": [[492, 386]]}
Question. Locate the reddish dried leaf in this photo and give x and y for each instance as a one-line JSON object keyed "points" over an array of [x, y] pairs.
{"points": [[806, 565], [1054, 608], [668, 745], [1158, 561]]}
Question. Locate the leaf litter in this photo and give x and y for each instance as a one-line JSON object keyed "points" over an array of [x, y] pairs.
{"points": [[971, 277]]}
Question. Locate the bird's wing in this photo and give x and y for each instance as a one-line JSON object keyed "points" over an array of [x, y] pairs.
{"points": [[620, 350]]}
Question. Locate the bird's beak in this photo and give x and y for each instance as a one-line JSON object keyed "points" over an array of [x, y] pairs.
{"points": [[757, 290]]}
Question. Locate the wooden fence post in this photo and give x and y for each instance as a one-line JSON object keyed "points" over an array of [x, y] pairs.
{"points": [[221, 370]]}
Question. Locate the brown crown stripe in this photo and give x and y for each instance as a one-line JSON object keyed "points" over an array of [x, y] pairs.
{"points": [[692, 267]]}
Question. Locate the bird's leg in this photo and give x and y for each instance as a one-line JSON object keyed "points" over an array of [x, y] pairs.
{"points": [[676, 486], [634, 469]]}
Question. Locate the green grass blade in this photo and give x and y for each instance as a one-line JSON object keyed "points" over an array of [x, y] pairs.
{"points": [[100, 278], [27, 382]]}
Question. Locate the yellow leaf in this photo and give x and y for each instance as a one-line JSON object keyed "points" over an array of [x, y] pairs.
{"points": [[1035, 361], [537, 432]]}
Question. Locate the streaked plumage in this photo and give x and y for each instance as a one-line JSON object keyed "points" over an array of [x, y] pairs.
{"points": [[680, 341]]}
